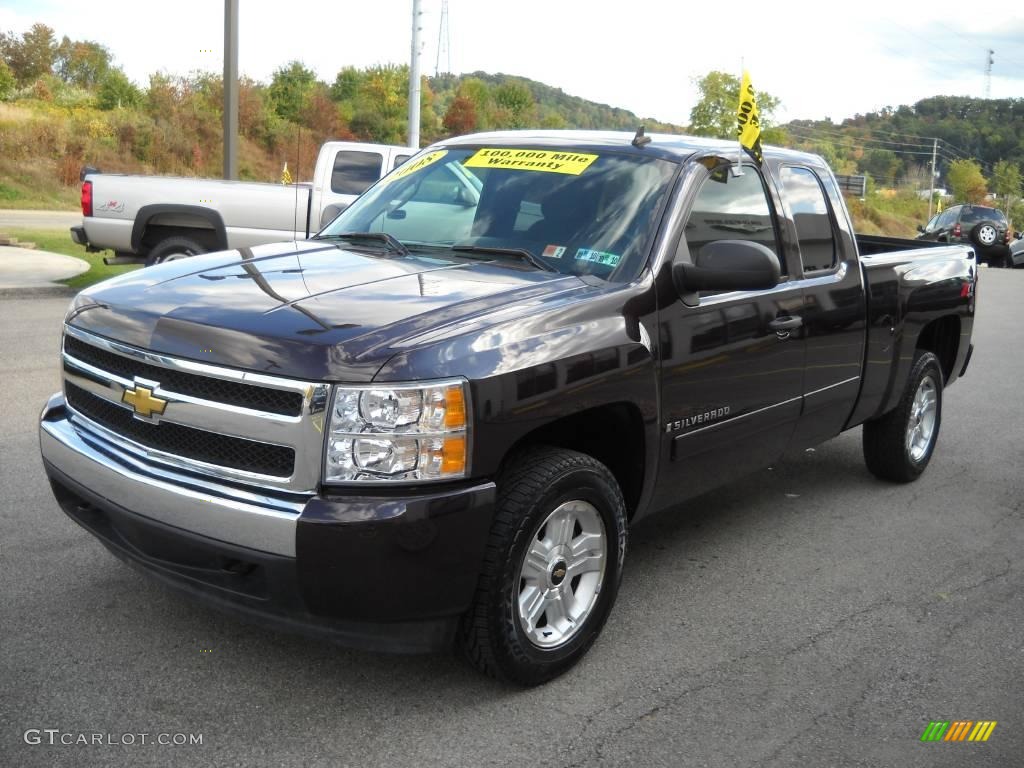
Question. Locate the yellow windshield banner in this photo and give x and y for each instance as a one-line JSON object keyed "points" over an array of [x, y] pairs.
{"points": [[748, 120], [572, 163], [411, 166]]}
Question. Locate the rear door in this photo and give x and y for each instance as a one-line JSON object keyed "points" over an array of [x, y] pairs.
{"points": [[731, 363], [834, 309]]}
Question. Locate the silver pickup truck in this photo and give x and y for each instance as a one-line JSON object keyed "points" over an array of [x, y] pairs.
{"points": [[153, 219]]}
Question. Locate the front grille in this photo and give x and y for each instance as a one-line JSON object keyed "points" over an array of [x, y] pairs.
{"points": [[205, 387], [187, 442]]}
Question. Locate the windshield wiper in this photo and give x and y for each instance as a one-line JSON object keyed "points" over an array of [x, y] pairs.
{"points": [[517, 253], [389, 242]]}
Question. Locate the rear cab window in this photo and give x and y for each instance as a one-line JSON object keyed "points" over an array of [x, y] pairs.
{"points": [[354, 171], [811, 217]]}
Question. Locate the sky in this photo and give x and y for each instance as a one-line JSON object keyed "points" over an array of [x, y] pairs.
{"points": [[822, 60]]}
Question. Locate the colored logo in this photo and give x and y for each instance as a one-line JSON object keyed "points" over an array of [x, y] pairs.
{"points": [[142, 401], [958, 730]]}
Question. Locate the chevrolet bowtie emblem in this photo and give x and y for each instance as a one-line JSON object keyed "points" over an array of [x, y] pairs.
{"points": [[141, 399]]}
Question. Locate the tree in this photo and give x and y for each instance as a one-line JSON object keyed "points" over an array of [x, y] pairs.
{"points": [[460, 117], [7, 81], [477, 91], [966, 182], [346, 84], [882, 165], [116, 91], [1006, 180], [290, 88], [516, 102], [715, 111], [81, 62], [32, 56]]}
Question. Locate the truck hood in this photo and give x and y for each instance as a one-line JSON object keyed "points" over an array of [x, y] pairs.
{"points": [[309, 310]]}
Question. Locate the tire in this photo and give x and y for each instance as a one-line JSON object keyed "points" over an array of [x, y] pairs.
{"points": [[899, 445], [520, 627], [984, 234], [172, 249]]}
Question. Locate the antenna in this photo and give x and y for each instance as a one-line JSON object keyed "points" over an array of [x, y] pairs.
{"points": [[988, 73], [640, 139], [444, 43]]}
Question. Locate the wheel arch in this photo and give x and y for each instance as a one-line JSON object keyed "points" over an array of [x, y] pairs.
{"points": [[154, 223], [613, 433], [942, 338]]}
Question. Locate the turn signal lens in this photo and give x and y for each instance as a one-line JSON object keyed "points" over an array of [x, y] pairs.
{"points": [[455, 408], [453, 456]]}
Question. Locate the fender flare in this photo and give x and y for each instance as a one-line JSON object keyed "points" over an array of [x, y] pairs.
{"points": [[147, 212]]}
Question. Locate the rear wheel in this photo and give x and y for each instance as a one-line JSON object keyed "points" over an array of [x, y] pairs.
{"points": [[552, 567], [899, 445], [172, 249]]}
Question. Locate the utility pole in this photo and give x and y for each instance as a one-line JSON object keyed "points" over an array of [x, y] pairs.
{"points": [[931, 193], [230, 89], [414, 79], [988, 73], [444, 42]]}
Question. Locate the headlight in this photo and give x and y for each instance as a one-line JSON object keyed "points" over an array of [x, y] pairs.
{"points": [[388, 433]]}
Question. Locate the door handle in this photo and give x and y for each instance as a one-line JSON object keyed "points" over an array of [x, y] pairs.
{"points": [[781, 324]]}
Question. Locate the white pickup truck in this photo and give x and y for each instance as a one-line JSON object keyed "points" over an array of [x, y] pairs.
{"points": [[153, 219]]}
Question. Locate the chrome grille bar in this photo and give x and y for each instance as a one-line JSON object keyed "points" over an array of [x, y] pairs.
{"points": [[303, 433]]}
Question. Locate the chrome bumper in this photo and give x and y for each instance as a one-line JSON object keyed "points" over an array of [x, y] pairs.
{"points": [[205, 507]]}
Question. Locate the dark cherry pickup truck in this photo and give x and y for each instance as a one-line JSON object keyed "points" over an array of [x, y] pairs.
{"points": [[432, 424]]}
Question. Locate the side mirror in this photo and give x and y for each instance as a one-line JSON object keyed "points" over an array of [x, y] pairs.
{"points": [[330, 213], [920, 228], [728, 265]]}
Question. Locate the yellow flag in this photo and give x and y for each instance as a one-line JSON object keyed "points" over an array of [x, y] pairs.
{"points": [[938, 206], [748, 127], [286, 177]]}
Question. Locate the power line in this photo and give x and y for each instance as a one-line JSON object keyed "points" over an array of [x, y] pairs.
{"points": [[873, 143]]}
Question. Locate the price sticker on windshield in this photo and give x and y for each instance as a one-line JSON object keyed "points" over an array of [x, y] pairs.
{"points": [[411, 166], [571, 163]]}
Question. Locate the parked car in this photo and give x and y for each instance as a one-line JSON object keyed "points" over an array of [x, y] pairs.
{"points": [[983, 227], [436, 421], [1015, 260], [153, 219]]}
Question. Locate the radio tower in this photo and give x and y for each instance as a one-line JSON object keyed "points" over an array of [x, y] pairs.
{"points": [[444, 42], [988, 73]]}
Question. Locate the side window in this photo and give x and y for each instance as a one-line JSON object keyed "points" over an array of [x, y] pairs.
{"points": [[732, 208], [932, 224], [948, 218], [354, 172], [399, 159], [810, 215]]}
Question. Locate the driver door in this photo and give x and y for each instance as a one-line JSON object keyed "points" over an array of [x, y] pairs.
{"points": [[732, 363]]}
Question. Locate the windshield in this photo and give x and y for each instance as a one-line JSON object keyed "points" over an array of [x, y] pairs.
{"points": [[572, 212]]}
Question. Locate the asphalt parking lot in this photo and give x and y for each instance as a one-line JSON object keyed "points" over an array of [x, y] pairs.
{"points": [[807, 616]]}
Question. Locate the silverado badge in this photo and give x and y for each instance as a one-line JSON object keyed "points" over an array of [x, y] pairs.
{"points": [[141, 399]]}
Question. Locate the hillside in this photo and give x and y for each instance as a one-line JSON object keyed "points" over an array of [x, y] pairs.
{"points": [[64, 105]]}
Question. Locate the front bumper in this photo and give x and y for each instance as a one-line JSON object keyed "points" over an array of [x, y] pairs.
{"points": [[389, 572]]}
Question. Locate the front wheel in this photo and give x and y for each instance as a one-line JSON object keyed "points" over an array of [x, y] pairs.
{"points": [[552, 567], [899, 445]]}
